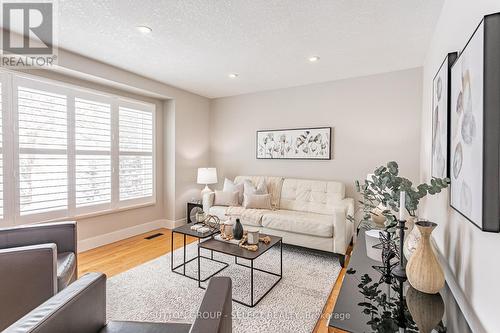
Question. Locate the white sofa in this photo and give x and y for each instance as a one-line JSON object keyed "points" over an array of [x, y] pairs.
{"points": [[307, 213]]}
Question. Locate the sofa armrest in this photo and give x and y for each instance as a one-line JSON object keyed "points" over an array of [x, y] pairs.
{"points": [[28, 278], [214, 314], [343, 229], [63, 234], [81, 307], [208, 201]]}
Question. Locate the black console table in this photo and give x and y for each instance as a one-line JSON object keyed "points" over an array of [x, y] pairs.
{"points": [[371, 301]]}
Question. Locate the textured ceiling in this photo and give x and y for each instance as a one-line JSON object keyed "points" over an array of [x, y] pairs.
{"points": [[195, 44]]}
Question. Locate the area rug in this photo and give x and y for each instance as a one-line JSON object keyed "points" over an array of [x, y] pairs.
{"points": [[151, 292]]}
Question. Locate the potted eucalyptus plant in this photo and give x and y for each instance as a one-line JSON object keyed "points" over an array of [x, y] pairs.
{"points": [[380, 196]]}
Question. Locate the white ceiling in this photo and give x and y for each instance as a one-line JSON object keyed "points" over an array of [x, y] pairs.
{"points": [[195, 44]]}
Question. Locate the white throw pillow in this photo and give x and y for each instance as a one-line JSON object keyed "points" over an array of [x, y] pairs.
{"points": [[257, 201], [230, 186], [226, 198], [250, 189]]}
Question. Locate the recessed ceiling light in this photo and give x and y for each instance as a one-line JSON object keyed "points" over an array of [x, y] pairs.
{"points": [[233, 75], [314, 58], [144, 29]]}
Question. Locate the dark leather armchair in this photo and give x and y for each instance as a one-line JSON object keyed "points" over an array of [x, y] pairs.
{"points": [[36, 262], [81, 308]]}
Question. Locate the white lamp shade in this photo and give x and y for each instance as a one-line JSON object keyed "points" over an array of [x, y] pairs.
{"points": [[207, 176]]}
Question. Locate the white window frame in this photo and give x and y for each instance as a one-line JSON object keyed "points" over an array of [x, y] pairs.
{"points": [[10, 81]]}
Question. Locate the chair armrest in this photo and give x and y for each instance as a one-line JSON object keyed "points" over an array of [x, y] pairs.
{"points": [[63, 234], [343, 229], [81, 307], [28, 278], [208, 201], [214, 314]]}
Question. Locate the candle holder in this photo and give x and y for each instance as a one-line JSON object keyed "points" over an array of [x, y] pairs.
{"points": [[400, 270]]}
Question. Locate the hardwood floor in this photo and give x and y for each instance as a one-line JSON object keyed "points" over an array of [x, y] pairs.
{"points": [[123, 255]]}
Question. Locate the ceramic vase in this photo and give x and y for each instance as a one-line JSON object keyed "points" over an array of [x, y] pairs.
{"points": [[238, 230], [412, 237], [423, 269]]}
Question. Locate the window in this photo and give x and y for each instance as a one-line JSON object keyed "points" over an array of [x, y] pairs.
{"points": [[93, 152], [136, 153], [43, 143], [74, 151]]}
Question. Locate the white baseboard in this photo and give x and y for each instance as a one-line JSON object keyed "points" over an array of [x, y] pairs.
{"points": [[93, 242]]}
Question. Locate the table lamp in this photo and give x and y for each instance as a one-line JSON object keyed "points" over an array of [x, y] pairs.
{"points": [[206, 176]]}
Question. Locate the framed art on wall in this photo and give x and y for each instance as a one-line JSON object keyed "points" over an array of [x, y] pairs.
{"points": [[295, 144], [440, 116], [475, 127]]}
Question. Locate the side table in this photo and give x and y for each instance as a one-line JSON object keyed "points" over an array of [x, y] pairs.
{"points": [[185, 230]]}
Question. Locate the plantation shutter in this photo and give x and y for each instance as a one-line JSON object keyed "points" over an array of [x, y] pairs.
{"points": [[42, 147], [93, 153], [135, 153]]}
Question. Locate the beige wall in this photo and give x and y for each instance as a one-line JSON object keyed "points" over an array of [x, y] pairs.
{"points": [[471, 255], [181, 144], [375, 119]]}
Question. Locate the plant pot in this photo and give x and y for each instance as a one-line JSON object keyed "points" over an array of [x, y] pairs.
{"points": [[423, 269]]}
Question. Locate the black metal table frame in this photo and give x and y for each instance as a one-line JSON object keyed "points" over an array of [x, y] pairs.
{"points": [[184, 262], [252, 269]]}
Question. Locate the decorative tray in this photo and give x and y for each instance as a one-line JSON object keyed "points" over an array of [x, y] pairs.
{"points": [[232, 241]]}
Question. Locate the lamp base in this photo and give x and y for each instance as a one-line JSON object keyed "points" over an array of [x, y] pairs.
{"points": [[206, 190]]}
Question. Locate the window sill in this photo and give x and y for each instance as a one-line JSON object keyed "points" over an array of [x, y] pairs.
{"points": [[94, 214]]}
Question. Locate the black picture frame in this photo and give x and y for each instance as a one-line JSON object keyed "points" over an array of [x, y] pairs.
{"points": [[490, 184], [327, 158], [448, 61]]}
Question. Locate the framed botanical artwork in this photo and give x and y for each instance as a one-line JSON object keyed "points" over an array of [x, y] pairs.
{"points": [[475, 127], [440, 115], [295, 144]]}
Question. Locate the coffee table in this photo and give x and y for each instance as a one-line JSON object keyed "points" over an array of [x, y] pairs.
{"points": [[185, 230], [238, 252]]}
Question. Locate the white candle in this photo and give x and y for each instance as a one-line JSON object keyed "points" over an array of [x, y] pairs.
{"points": [[402, 199]]}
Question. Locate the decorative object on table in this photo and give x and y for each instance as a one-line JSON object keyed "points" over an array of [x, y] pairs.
{"points": [[300, 143], [399, 271], [388, 253], [253, 236], [383, 187], [238, 230], [206, 176], [373, 244], [377, 216], [200, 216], [193, 208], [211, 221], [424, 271], [475, 104], [441, 90], [425, 309], [227, 229]]}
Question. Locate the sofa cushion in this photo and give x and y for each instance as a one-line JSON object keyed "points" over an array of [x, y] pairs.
{"points": [[66, 269], [219, 211], [226, 198], [314, 196], [230, 186], [273, 186], [299, 222], [257, 201], [248, 216]]}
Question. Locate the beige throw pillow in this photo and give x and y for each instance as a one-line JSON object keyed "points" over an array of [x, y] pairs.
{"points": [[226, 198], [257, 201], [250, 189], [230, 186]]}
